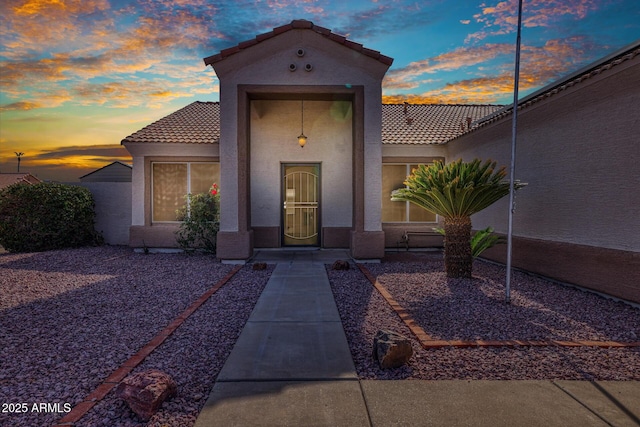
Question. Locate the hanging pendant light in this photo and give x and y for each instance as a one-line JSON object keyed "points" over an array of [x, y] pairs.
{"points": [[302, 140]]}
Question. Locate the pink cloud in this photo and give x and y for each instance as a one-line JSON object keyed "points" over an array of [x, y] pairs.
{"points": [[539, 65], [449, 61], [502, 17]]}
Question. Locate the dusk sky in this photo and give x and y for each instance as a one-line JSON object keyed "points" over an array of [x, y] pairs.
{"points": [[78, 76]]}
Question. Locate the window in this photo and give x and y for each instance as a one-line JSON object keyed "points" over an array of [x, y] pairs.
{"points": [[170, 182], [393, 177]]}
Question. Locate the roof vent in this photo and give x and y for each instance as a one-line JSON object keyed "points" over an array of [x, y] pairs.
{"points": [[292, 67], [300, 52]]}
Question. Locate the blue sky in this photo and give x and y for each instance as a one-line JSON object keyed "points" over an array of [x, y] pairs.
{"points": [[77, 76]]}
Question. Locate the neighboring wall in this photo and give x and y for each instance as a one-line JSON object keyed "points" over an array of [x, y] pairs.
{"points": [[578, 220], [113, 210]]}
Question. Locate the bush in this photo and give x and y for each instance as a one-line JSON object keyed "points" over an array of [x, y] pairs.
{"points": [[46, 216], [200, 221], [481, 240]]}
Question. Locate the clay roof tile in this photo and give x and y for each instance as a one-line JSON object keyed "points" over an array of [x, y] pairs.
{"points": [[199, 123]]}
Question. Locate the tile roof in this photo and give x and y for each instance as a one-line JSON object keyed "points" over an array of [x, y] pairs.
{"points": [[429, 123], [7, 179], [197, 123], [603, 65], [299, 24]]}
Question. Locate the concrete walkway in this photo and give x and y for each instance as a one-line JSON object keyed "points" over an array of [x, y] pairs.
{"points": [[291, 366]]}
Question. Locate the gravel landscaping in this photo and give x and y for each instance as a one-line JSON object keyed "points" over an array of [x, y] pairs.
{"points": [[69, 318], [475, 309]]}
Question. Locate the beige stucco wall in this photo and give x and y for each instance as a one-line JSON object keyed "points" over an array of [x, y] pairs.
{"points": [[275, 126], [580, 153], [413, 152]]}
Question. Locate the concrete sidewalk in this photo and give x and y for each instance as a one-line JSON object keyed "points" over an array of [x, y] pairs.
{"points": [[291, 366]]}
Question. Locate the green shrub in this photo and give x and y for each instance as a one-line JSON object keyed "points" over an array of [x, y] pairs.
{"points": [[481, 240], [46, 216], [200, 221]]}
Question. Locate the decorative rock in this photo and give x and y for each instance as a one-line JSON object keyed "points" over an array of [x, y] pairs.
{"points": [[340, 265], [144, 392], [259, 265], [391, 350]]}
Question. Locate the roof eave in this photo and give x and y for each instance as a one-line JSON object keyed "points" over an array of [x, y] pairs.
{"points": [[560, 83], [299, 24]]}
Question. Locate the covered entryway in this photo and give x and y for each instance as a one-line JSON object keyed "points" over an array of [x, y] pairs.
{"points": [[262, 85], [300, 203]]}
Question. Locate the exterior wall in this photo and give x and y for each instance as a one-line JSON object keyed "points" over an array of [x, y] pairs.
{"points": [[373, 160], [578, 151], [113, 210], [264, 72], [274, 128], [143, 232], [413, 153]]}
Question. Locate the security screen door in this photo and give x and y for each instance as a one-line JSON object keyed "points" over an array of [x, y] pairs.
{"points": [[300, 201]]}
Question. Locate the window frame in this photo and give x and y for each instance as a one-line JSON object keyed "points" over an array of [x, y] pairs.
{"points": [[407, 204], [152, 186]]}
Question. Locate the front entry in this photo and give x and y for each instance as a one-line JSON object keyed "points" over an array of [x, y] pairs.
{"points": [[300, 203]]}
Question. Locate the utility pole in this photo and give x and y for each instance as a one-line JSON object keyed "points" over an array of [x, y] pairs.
{"points": [[19, 155]]}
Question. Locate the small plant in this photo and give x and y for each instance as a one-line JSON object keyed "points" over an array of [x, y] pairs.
{"points": [[482, 240], [200, 221]]}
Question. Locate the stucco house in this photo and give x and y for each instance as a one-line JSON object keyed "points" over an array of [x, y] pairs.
{"points": [[305, 154], [299, 78]]}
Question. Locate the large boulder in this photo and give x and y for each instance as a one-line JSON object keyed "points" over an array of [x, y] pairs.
{"points": [[259, 266], [391, 349], [340, 265], [145, 391]]}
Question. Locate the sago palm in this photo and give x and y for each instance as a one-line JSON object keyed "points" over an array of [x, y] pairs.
{"points": [[455, 191]]}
